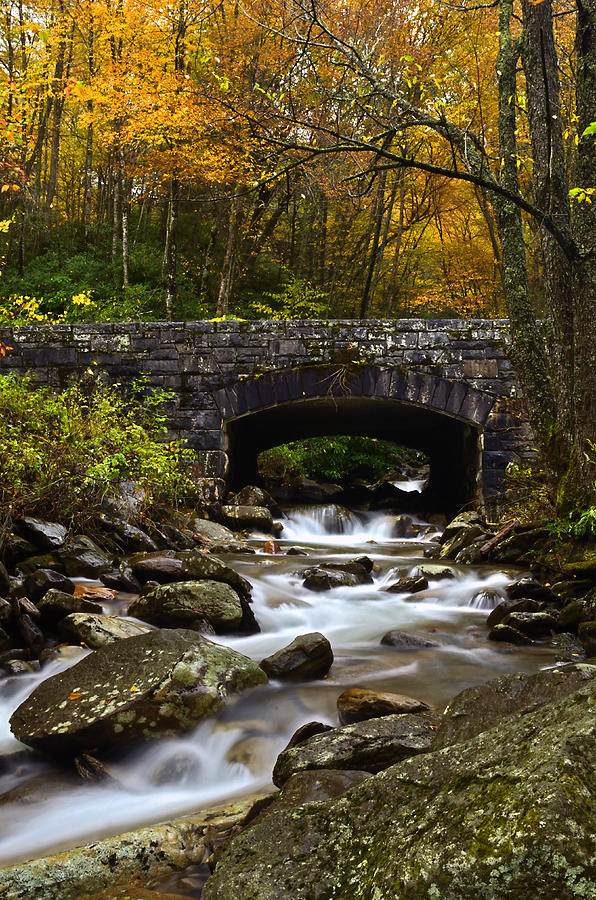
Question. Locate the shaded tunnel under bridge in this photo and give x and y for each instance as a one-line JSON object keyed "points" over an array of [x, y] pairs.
{"points": [[445, 387]]}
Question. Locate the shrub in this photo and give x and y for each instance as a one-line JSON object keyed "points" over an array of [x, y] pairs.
{"points": [[61, 453]]}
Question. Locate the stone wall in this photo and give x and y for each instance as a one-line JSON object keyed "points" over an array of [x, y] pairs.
{"points": [[220, 371]]}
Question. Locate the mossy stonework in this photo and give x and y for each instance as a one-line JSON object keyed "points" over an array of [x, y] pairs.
{"points": [[239, 387]]}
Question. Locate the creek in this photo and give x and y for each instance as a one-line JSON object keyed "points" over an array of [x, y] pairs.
{"points": [[45, 808]]}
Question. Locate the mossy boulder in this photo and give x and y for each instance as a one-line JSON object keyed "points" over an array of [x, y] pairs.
{"points": [[188, 604], [97, 630], [198, 566], [155, 684], [511, 813]]}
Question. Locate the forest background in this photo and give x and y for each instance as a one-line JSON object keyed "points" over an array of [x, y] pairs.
{"points": [[148, 169]]}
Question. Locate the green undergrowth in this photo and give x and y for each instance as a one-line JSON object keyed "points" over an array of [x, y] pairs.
{"points": [[337, 458], [62, 452]]}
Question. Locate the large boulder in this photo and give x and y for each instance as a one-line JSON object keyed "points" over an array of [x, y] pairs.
{"points": [[96, 630], [163, 566], [55, 605], [309, 656], [371, 746], [189, 604], [199, 566], [36, 584], [159, 683], [206, 530], [510, 813]]}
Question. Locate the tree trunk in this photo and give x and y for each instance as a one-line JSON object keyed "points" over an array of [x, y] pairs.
{"points": [[227, 271], [172, 248]]}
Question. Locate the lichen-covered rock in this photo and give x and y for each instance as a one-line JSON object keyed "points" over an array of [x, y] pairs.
{"points": [[185, 603], [158, 683], [211, 531], [97, 630], [199, 566], [309, 656], [482, 707], [511, 813], [531, 623], [358, 704], [371, 746]]}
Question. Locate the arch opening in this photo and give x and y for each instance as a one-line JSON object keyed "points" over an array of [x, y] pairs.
{"points": [[452, 444]]}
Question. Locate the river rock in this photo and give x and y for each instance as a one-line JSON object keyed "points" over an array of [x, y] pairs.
{"points": [[508, 606], [572, 615], [410, 584], [359, 704], [47, 535], [4, 581], [531, 623], [371, 745], [323, 578], [401, 640], [38, 583], [199, 566], [82, 558], [429, 570], [250, 518], [132, 538], [43, 561], [529, 587], [183, 604], [251, 495], [309, 656], [55, 605], [164, 566], [121, 579], [461, 539], [154, 684], [510, 813], [509, 635], [587, 635], [479, 708], [208, 531], [96, 630]]}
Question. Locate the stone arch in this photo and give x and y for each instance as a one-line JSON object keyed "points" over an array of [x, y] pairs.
{"points": [[442, 417]]}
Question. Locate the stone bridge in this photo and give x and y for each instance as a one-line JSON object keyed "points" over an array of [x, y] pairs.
{"points": [[239, 387]]}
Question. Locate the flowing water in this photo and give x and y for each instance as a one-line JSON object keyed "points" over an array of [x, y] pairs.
{"points": [[45, 809]]}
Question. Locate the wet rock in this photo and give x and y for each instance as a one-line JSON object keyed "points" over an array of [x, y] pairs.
{"points": [[82, 558], [587, 636], [369, 746], [189, 604], [198, 566], [506, 607], [567, 647], [31, 633], [530, 588], [150, 685], [401, 640], [309, 656], [164, 566], [480, 708], [487, 599], [461, 522], [305, 732], [15, 549], [19, 666], [402, 526], [132, 538], [271, 547], [461, 539], [531, 623], [55, 605], [6, 639], [96, 630], [296, 551], [332, 575], [358, 704], [310, 786], [4, 581], [481, 818], [250, 495], [179, 540], [38, 583], [211, 531], [508, 634], [430, 571], [47, 535], [44, 561], [121, 579], [251, 518], [572, 615], [409, 584]]}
